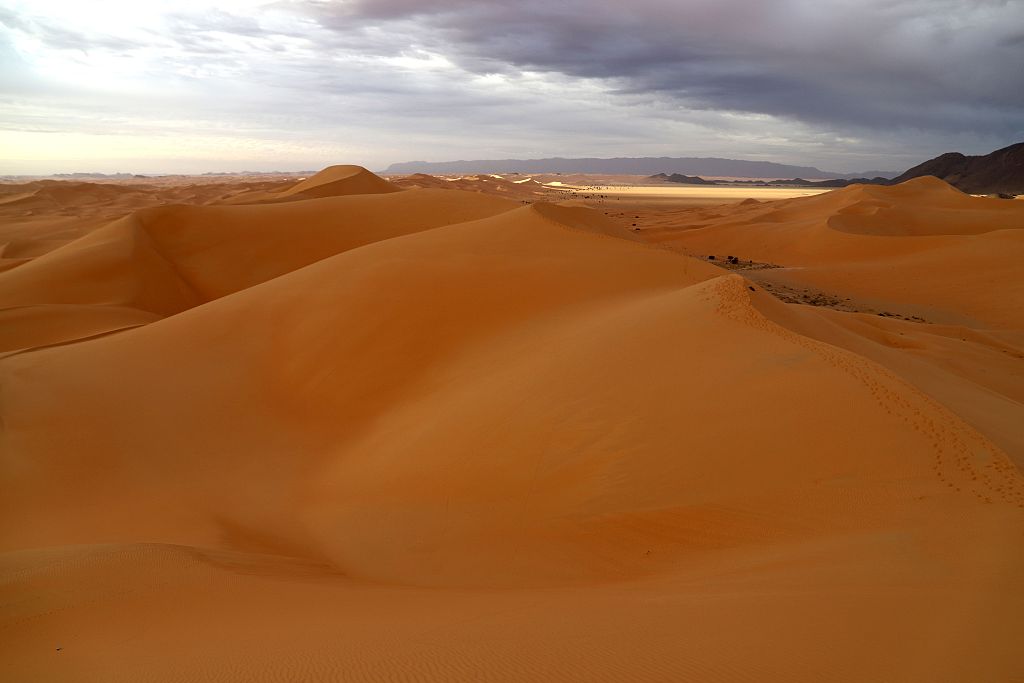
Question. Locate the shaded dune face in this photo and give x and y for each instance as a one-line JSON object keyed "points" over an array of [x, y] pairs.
{"points": [[501, 412]]}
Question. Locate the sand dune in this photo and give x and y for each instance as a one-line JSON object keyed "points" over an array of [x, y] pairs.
{"points": [[922, 248], [437, 434], [40, 216], [24, 327], [333, 181], [165, 260], [337, 181], [972, 372]]}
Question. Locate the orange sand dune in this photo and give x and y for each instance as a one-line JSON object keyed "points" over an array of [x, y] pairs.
{"points": [[53, 194], [974, 373], [167, 259], [40, 216], [922, 248], [436, 435], [24, 327], [333, 181], [340, 180]]}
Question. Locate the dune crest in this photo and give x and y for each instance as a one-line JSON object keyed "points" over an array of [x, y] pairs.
{"points": [[336, 181]]}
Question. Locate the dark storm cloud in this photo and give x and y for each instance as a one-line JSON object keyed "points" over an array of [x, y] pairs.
{"points": [[935, 64]]}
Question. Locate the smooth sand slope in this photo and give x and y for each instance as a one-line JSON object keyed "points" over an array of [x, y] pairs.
{"points": [[487, 441], [40, 216], [164, 260], [921, 248]]}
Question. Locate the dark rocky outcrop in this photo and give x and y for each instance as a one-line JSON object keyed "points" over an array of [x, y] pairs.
{"points": [[685, 179], [1001, 172]]}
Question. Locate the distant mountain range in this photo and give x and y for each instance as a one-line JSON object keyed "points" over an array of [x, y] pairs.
{"points": [[799, 182], [707, 166], [1002, 171]]}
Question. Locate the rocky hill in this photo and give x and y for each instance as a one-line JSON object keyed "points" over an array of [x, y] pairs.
{"points": [[711, 166], [1002, 171]]}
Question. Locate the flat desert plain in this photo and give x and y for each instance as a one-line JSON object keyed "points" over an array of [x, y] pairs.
{"points": [[351, 428]]}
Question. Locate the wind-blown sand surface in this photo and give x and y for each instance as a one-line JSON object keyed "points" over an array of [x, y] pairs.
{"points": [[345, 431]]}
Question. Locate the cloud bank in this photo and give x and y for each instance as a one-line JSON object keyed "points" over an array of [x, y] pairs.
{"points": [[295, 84]]}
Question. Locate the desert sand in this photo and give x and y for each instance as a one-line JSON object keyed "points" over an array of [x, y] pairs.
{"points": [[350, 428]]}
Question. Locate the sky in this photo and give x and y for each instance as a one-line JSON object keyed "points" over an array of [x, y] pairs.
{"points": [[189, 87]]}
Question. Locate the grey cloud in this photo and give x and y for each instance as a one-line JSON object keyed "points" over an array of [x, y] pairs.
{"points": [[937, 64], [876, 84]]}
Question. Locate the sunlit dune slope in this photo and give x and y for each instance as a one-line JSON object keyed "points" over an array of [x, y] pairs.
{"points": [[23, 327], [439, 435], [333, 181], [64, 197], [976, 374], [830, 224], [509, 387], [164, 260], [951, 257], [40, 216]]}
